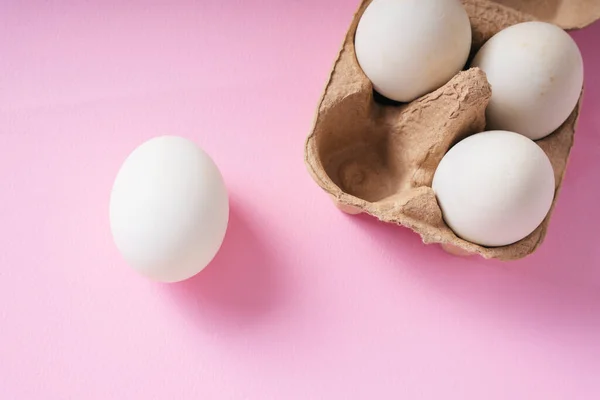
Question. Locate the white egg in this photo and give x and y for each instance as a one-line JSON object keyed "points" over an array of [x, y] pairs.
{"points": [[169, 209], [494, 188], [411, 47], [536, 73]]}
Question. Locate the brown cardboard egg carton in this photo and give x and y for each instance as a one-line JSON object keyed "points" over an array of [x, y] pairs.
{"points": [[379, 158]]}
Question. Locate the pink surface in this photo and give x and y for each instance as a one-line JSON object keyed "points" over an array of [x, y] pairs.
{"points": [[303, 302]]}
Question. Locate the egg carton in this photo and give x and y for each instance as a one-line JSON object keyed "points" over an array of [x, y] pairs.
{"points": [[377, 157]]}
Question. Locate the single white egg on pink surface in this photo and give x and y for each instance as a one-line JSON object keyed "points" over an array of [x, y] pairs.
{"points": [[494, 188], [408, 48], [169, 209], [535, 70]]}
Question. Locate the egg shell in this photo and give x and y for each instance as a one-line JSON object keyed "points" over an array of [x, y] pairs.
{"points": [[379, 159], [412, 47], [536, 73], [169, 209], [494, 188]]}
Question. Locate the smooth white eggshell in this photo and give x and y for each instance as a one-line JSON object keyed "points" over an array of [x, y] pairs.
{"points": [[536, 73], [411, 47], [169, 209], [494, 188]]}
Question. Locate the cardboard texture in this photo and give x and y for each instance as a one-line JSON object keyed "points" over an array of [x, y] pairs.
{"points": [[379, 158], [568, 14]]}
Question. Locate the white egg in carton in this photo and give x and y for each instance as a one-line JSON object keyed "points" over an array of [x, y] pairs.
{"points": [[454, 159]]}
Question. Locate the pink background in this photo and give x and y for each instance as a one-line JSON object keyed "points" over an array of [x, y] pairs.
{"points": [[302, 302]]}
